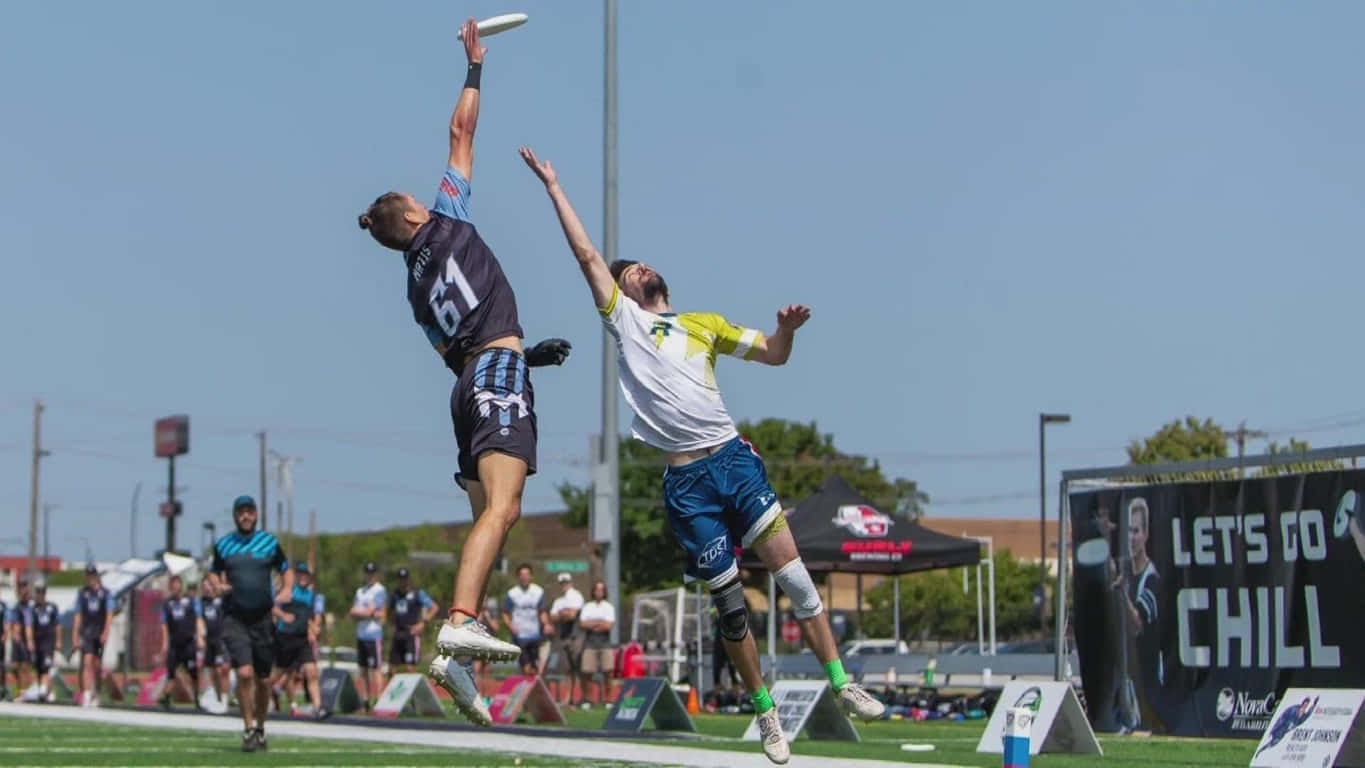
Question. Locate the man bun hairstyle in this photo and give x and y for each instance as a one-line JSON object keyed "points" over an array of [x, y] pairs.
{"points": [[384, 221]]}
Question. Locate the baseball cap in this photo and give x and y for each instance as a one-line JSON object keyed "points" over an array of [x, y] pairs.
{"points": [[403, 573], [370, 567], [301, 566], [563, 577], [91, 569], [243, 501]]}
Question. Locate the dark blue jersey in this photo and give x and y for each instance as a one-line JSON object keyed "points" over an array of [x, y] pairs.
{"points": [[300, 606], [407, 608], [181, 620], [458, 292], [211, 611], [46, 621], [94, 606], [248, 562]]}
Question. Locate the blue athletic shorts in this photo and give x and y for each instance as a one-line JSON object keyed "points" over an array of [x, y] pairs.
{"points": [[716, 503]]}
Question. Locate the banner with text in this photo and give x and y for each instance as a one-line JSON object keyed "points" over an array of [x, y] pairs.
{"points": [[1216, 598]]}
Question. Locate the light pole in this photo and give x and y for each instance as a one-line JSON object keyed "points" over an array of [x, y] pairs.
{"points": [[132, 522], [1044, 419], [47, 540]]}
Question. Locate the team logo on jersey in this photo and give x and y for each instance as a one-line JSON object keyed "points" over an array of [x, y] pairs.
{"points": [[712, 552], [863, 521]]}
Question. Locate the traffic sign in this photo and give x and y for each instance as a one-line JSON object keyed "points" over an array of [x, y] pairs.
{"points": [[569, 566]]}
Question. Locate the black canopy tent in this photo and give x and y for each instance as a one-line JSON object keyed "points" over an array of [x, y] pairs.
{"points": [[838, 530]]}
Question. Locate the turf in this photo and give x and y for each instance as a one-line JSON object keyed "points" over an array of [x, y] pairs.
{"points": [[37, 742]]}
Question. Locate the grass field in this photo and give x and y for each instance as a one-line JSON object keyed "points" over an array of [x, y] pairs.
{"points": [[40, 742]]}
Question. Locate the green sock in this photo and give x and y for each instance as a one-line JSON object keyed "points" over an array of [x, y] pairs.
{"points": [[837, 678], [762, 701]]}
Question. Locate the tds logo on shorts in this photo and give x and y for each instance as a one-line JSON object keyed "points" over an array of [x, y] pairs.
{"points": [[863, 521], [712, 552]]}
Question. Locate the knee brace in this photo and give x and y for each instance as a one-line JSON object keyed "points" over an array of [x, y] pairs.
{"points": [[733, 615], [797, 585]]}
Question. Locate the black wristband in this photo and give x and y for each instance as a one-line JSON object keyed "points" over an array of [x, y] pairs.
{"points": [[471, 78]]}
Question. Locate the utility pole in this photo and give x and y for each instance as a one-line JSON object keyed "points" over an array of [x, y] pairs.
{"points": [[47, 536], [313, 540], [284, 482], [132, 522], [1241, 435], [38, 454], [609, 497], [261, 502]]}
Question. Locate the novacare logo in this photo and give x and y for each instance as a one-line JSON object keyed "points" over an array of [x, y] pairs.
{"points": [[1246, 712]]}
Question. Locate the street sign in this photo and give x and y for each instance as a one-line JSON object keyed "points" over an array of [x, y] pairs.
{"points": [[569, 566]]}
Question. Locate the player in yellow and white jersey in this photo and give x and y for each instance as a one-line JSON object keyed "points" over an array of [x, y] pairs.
{"points": [[716, 490]]}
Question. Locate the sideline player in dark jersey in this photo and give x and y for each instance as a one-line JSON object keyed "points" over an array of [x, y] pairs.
{"points": [[215, 648], [462, 300], [21, 653], [243, 563], [410, 609], [44, 639], [90, 622], [180, 642], [293, 648], [4, 650]]}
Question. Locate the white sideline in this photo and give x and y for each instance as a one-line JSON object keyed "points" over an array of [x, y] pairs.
{"points": [[487, 740]]}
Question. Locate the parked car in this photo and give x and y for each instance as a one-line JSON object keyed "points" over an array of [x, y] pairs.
{"points": [[872, 647]]}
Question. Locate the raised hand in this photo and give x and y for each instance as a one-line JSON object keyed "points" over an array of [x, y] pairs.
{"points": [[548, 352], [792, 316], [544, 171], [472, 49]]}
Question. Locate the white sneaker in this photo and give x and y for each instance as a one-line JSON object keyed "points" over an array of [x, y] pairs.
{"points": [[51, 697], [859, 703], [770, 733], [472, 639], [452, 676]]}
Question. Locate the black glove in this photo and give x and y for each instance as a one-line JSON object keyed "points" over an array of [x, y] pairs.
{"points": [[548, 352]]}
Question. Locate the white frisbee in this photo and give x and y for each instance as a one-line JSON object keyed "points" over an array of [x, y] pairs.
{"points": [[1092, 552], [496, 24]]}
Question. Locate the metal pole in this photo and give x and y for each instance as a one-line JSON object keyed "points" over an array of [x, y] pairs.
{"points": [[132, 522], [990, 554], [261, 502], [896, 608], [610, 437], [170, 517], [772, 622], [38, 454], [980, 621], [1063, 524], [1042, 521], [47, 540], [701, 691]]}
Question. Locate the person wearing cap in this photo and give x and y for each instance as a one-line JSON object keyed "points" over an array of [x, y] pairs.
{"points": [[368, 610], [44, 638], [568, 642], [293, 651], [90, 622], [244, 563], [21, 654], [524, 607], [410, 609]]}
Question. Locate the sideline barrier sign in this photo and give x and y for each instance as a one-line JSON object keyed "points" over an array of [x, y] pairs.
{"points": [[408, 694], [1313, 727], [338, 691], [524, 693], [648, 698], [809, 706], [1059, 723]]}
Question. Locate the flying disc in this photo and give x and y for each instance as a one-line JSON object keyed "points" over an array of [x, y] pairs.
{"points": [[496, 24], [1092, 552]]}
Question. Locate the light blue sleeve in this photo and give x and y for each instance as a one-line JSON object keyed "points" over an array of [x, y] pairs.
{"points": [[198, 608], [425, 599], [109, 604], [319, 603], [381, 598], [452, 197]]}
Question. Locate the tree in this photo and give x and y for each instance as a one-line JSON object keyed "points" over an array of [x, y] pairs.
{"points": [[1190, 440], [934, 605], [798, 458], [1296, 446]]}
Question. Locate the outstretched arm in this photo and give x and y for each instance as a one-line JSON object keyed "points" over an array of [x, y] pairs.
{"points": [[777, 348], [466, 114], [589, 260]]}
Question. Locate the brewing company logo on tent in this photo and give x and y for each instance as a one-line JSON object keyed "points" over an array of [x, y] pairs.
{"points": [[863, 521]]}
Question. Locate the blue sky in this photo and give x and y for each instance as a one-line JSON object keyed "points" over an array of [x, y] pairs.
{"points": [[1127, 211]]}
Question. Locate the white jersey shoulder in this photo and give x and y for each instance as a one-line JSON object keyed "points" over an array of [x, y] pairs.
{"points": [[668, 372]]}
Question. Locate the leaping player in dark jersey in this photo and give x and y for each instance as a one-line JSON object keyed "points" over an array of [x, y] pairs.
{"points": [[462, 300]]}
